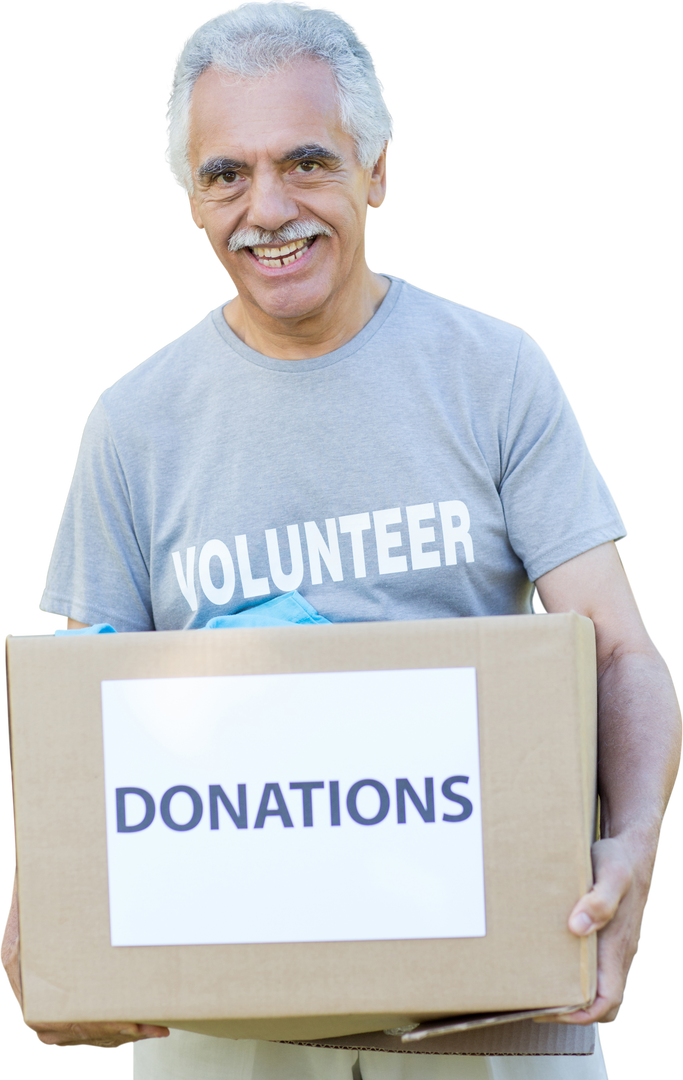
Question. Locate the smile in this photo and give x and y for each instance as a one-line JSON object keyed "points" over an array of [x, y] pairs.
{"points": [[282, 256]]}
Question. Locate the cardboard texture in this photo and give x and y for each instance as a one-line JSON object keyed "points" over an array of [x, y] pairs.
{"points": [[508, 1039], [536, 689]]}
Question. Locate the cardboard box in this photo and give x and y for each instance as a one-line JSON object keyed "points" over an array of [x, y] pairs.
{"points": [[288, 930]]}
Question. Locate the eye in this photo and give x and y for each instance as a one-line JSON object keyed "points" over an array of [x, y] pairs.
{"points": [[306, 166], [226, 178]]}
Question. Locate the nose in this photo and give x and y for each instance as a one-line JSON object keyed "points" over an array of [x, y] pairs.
{"points": [[270, 204]]}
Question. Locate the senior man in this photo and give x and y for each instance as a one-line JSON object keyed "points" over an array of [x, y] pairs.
{"points": [[387, 452]]}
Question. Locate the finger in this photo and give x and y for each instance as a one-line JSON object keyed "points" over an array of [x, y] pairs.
{"points": [[97, 1034], [597, 907], [59, 1038], [75, 1034], [145, 1031], [586, 1015], [578, 1017], [603, 1010]]}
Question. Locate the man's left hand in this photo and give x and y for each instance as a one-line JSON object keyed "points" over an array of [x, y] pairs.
{"points": [[613, 908]]}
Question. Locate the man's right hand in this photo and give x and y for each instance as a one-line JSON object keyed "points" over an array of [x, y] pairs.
{"points": [[98, 1034]]}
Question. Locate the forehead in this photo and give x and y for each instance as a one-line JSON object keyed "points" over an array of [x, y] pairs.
{"points": [[249, 118]]}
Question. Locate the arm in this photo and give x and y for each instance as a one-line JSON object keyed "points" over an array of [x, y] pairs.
{"points": [[639, 742]]}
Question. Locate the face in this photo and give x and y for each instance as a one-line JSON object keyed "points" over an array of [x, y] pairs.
{"points": [[269, 154]]}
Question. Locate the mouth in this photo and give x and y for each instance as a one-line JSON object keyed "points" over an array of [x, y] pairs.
{"points": [[277, 257]]}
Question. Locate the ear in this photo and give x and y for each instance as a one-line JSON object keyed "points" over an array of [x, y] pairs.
{"points": [[195, 216], [378, 180]]}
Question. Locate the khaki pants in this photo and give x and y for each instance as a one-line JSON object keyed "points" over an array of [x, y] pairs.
{"points": [[184, 1056]]}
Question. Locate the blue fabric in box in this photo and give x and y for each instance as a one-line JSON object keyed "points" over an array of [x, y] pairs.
{"points": [[285, 610]]}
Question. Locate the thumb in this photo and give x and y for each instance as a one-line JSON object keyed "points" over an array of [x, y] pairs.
{"points": [[597, 907]]}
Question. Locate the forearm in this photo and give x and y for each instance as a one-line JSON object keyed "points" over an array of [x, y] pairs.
{"points": [[639, 744]]}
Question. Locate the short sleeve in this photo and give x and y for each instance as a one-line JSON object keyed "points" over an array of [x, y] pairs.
{"points": [[555, 502], [98, 572]]}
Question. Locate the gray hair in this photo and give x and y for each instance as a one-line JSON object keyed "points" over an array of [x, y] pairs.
{"points": [[259, 39]]}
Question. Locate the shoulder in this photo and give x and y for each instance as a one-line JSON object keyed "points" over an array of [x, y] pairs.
{"points": [[437, 315], [481, 348], [166, 375]]}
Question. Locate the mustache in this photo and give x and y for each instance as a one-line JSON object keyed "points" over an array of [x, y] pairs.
{"points": [[286, 234]]}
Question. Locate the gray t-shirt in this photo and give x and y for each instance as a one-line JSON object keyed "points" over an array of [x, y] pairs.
{"points": [[430, 467]]}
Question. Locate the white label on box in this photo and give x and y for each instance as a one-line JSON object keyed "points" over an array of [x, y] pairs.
{"points": [[336, 806]]}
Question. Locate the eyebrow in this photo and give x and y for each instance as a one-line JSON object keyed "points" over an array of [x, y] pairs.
{"points": [[216, 166]]}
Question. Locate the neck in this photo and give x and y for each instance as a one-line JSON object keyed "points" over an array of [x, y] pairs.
{"points": [[308, 336]]}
